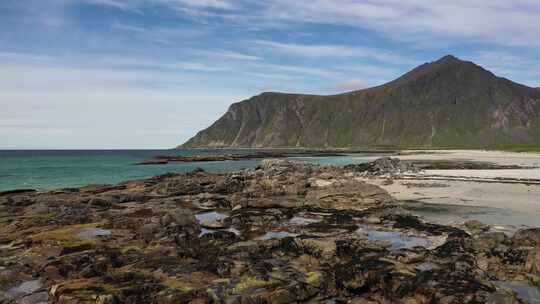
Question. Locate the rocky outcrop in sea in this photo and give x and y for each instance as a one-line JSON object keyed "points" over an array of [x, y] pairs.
{"points": [[283, 232]]}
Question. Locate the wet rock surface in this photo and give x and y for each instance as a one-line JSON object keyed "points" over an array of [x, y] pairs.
{"points": [[384, 166], [280, 233]]}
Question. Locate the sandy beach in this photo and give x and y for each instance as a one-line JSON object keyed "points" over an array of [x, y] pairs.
{"points": [[512, 189]]}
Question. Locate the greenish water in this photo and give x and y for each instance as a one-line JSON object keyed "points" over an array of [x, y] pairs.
{"points": [[53, 169]]}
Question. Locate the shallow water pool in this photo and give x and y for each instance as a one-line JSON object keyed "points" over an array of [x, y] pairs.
{"points": [[507, 221], [524, 290], [397, 239], [209, 217], [93, 232], [25, 288], [276, 235]]}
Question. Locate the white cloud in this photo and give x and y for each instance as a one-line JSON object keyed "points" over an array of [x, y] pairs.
{"points": [[335, 51], [521, 68], [175, 4], [163, 35], [299, 70], [228, 55], [113, 3], [66, 103], [506, 22], [216, 4], [509, 22], [108, 102]]}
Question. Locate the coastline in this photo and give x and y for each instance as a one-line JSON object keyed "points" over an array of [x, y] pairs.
{"points": [[513, 189], [282, 232]]}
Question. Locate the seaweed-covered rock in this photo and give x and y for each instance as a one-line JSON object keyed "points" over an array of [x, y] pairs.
{"points": [[527, 237], [383, 166], [532, 264], [280, 233]]}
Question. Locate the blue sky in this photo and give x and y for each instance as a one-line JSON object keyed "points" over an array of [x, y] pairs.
{"points": [[150, 73]]}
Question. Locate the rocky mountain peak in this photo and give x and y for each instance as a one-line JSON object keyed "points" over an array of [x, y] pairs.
{"points": [[447, 68], [450, 59]]}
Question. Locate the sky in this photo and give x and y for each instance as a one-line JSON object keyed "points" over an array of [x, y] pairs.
{"points": [[89, 74]]}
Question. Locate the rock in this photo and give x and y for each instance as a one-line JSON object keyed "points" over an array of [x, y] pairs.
{"points": [[532, 264], [179, 217], [51, 272], [388, 182], [527, 237], [383, 166], [106, 299], [254, 252], [373, 220], [476, 225], [489, 241], [36, 298], [5, 298], [101, 202], [148, 232]]}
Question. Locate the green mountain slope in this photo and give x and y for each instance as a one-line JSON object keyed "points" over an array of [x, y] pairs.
{"points": [[446, 103]]}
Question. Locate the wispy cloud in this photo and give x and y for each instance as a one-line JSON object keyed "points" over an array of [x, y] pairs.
{"points": [[414, 21], [299, 70], [185, 61], [216, 4], [334, 51], [421, 19], [121, 4], [228, 55], [163, 35], [127, 99], [176, 4], [522, 68]]}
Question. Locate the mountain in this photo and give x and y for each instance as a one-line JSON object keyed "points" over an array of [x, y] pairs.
{"points": [[445, 103]]}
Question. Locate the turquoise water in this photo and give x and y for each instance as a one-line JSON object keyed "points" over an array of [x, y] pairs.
{"points": [[55, 169]]}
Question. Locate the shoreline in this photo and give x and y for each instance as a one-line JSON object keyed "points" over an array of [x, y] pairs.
{"points": [[281, 232], [511, 189]]}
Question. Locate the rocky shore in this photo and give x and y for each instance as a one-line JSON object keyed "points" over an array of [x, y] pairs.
{"points": [[165, 159], [283, 232]]}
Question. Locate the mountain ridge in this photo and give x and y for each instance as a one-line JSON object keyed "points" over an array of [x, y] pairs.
{"points": [[445, 103]]}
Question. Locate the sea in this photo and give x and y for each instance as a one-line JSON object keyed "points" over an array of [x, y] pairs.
{"points": [[55, 169]]}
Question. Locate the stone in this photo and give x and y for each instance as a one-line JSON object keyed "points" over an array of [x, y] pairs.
{"points": [[527, 237], [106, 299], [373, 220], [179, 217], [532, 263], [285, 232], [148, 232], [476, 225], [36, 298], [383, 166]]}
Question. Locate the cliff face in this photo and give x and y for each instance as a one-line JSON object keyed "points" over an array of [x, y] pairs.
{"points": [[446, 103]]}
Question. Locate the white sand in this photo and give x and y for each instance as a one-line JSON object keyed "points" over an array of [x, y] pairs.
{"points": [[505, 188], [517, 197]]}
